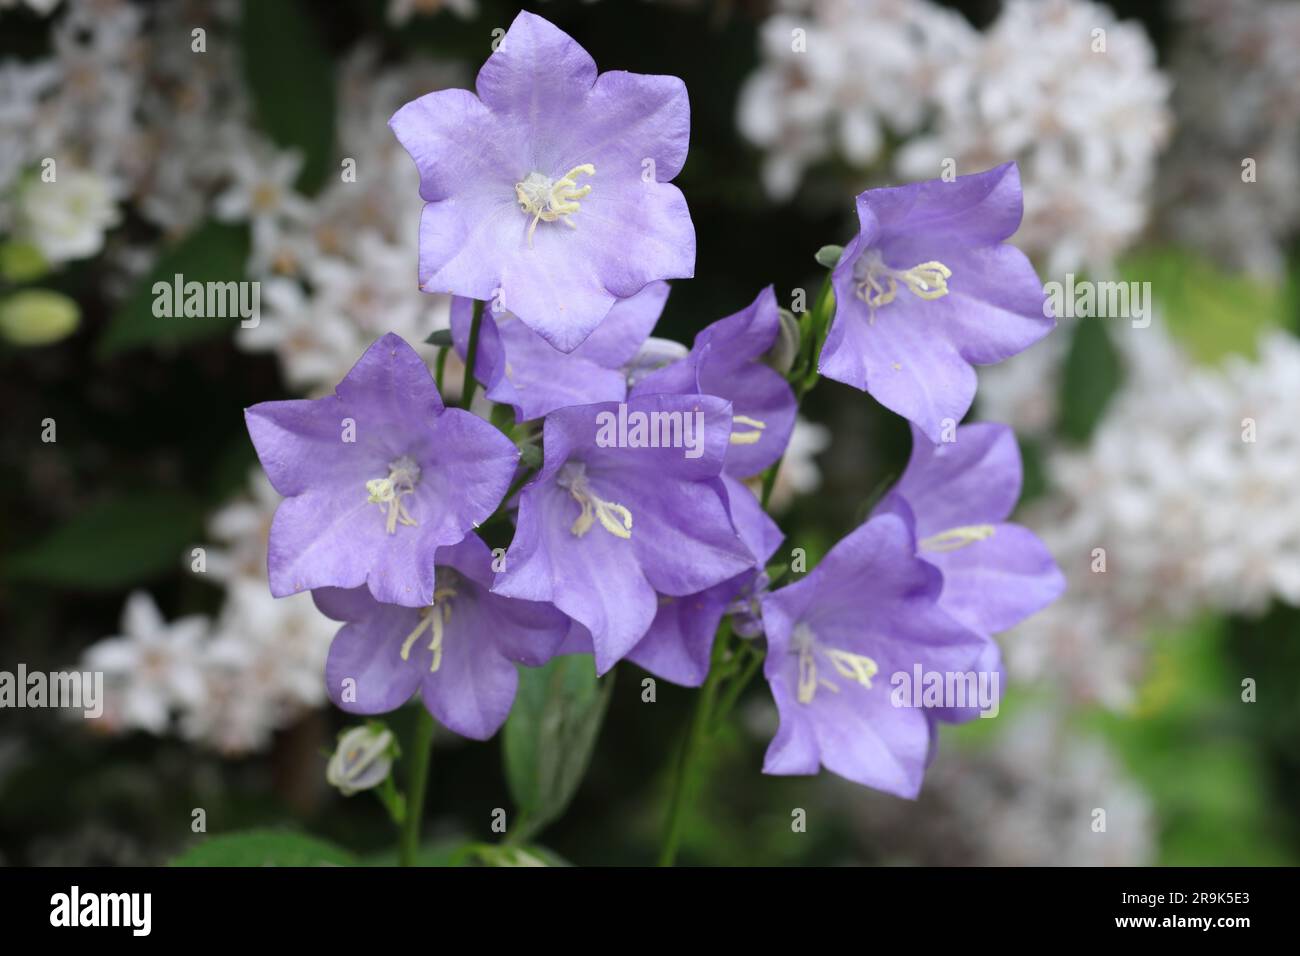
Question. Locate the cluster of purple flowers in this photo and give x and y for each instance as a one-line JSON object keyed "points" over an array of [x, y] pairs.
{"points": [[550, 214]]}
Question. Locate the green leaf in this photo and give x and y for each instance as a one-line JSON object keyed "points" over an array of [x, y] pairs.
{"points": [[550, 735], [265, 848], [1091, 376], [212, 253], [440, 338], [1213, 313], [113, 545], [290, 75]]}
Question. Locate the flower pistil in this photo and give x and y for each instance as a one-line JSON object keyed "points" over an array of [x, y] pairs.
{"points": [[403, 476], [855, 667], [548, 200], [876, 284], [614, 518]]}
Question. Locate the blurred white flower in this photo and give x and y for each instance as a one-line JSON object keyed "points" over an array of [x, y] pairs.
{"points": [[798, 473], [1075, 97], [400, 11], [839, 76], [67, 218], [1237, 67], [1184, 495], [152, 669], [1028, 798]]}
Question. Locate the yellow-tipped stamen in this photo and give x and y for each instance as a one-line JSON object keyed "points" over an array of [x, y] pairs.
{"points": [[614, 518], [548, 201], [403, 475], [750, 437], [435, 617], [877, 284], [856, 667], [955, 538]]}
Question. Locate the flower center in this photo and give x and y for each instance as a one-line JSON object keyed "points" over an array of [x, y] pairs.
{"points": [[434, 618], [855, 667], [548, 200], [876, 284], [955, 538], [403, 476], [614, 518], [749, 437]]}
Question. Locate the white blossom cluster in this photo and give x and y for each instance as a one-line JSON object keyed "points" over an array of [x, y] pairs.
{"points": [[336, 271], [227, 683], [1232, 182], [841, 77], [1031, 797], [1187, 488], [122, 112], [1060, 86], [336, 274]]}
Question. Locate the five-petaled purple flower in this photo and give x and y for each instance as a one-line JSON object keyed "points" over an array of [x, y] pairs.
{"points": [[627, 505], [376, 478], [550, 190], [927, 289], [459, 652], [520, 368], [834, 638]]}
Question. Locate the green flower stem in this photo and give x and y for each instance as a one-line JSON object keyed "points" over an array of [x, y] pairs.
{"points": [[803, 376], [471, 356], [419, 754], [701, 721]]}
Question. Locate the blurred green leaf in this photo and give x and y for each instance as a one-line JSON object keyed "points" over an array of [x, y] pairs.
{"points": [[113, 545], [265, 848], [550, 736], [1213, 313], [21, 261], [1091, 375], [212, 253], [291, 77]]}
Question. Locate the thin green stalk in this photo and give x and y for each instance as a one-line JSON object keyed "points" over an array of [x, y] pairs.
{"points": [[471, 356], [695, 734], [420, 752]]}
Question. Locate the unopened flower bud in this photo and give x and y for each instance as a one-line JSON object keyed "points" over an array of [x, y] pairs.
{"points": [[363, 759]]}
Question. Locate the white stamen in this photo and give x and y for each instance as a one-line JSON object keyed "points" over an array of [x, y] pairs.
{"points": [[552, 201], [403, 476], [877, 284], [614, 518]]}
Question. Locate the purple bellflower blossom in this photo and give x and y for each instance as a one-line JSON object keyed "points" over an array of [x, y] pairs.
{"points": [[627, 505], [520, 368], [376, 478], [929, 288], [834, 638], [459, 652], [956, 496], [550, 190], [725, 361]]}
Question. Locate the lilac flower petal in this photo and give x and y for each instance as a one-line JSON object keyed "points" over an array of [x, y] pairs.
{"points": [[973, 480], [595, 579], [365, 661], [520, 368], [535, 75], [456, 142], [989, 662], [679, 643], [473, 688], [994, 584]]}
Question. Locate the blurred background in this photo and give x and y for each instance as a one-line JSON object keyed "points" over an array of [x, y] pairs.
{"points": [[214, 139]]}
